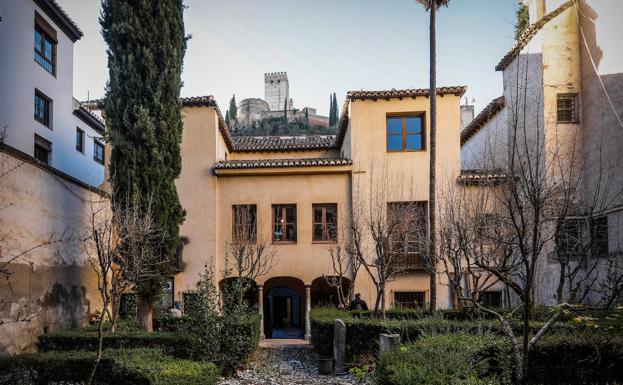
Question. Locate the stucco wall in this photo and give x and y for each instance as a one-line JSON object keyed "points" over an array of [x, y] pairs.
{"points": [[401, 176], [53, 285], [487, 148]]}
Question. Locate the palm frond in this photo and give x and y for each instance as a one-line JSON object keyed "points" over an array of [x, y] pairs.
{"points": [[438, 3]]}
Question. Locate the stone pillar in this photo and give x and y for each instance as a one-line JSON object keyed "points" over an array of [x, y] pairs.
{"points": [[307, 311], [260, 302], [339, 346], [389, 342]]}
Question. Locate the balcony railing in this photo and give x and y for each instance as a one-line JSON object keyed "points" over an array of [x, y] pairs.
{"points": [[410, 261]]}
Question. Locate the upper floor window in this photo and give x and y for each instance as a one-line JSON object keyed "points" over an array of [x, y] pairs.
{"points": [[45, 44], [43, 109], [244, 223], [43, 149], [405, 132], [325, 222], [407, 232], [284, 223], [98, 151], [567, 108], [568, 239], [79, 140]]}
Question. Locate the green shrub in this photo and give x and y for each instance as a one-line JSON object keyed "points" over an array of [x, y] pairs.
{"points": [[131, 367], [175, 344], [449, 359], [239, 338], [577, 358], [362, 334]]}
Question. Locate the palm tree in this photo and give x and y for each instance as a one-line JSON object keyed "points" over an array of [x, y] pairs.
{"points": [[431, 6]]}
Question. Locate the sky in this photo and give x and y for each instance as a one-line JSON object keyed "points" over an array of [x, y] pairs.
{"points": [[324, 45]]}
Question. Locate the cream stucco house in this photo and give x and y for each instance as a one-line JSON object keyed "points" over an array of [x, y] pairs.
{"points": [[296, 187]]}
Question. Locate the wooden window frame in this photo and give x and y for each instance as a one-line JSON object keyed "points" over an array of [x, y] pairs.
{"points": [[325, 237], [574, 107], [404, 115], [283, 225], [80, 148], [47, 119], [47, 32], [97, 143], [233, 222]]}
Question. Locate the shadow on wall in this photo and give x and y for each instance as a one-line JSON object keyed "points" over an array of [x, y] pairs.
{"points": [[42, 300]]}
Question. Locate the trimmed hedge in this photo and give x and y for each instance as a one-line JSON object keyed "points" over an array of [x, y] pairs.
{"points": [[131, 367], [449, 359], [174, 344], [572, 358], [362, 334], [577, 358]]}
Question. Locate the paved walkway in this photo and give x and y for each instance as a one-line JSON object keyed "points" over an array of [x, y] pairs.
{"points": [[284, 362]]}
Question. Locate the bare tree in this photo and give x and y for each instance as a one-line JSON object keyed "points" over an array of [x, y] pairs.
{"points": [[344, 269], [247, 257], [118, 244], [515, 217], [391, 225]]}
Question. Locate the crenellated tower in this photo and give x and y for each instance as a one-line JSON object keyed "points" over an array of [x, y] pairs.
{"points": [[276, 90]]}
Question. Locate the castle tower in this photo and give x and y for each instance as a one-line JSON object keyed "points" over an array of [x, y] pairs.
{"points": [[276, 90]]}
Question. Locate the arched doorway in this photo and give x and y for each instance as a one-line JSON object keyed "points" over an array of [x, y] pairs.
{"points": [[284, 301], [325, 294]]}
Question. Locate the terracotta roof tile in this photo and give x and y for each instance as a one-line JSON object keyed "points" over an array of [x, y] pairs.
{"points": [[528, 34], [482, 177], [483, 117], [409, 93], [281, 143], [274, 163]]}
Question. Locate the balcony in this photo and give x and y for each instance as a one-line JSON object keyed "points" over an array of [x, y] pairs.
{"points": [[410, 261]]}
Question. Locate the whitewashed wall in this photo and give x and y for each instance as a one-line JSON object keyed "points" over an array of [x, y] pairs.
{"points": [[20, 75]]}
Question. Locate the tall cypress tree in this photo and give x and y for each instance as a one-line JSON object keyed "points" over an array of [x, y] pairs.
{"points": [[146, 46], [336, 114], [331, 117], [285, 110], [233, 109]]}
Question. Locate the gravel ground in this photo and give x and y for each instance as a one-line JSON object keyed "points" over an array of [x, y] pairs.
{"points": [[284, 365]]}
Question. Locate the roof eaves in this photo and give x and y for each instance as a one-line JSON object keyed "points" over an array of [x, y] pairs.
{"points": [[401, 94], [482, 118], [528, 34], [60, 18], [91, 119]]}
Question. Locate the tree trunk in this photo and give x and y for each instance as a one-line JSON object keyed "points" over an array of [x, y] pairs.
{"points": [[433, 158], [145, 313], [383, 301]]}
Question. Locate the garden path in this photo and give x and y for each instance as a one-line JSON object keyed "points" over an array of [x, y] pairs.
{"points": [[284, 364]]}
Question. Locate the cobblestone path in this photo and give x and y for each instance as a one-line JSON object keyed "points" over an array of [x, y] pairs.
{"points": [[284, 365]]}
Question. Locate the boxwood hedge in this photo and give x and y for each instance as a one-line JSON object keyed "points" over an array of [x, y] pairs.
{"points": [[131, 367]]}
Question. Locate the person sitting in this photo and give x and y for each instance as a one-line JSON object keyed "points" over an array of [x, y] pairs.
{"points": [[358, 303], [175, 311]]}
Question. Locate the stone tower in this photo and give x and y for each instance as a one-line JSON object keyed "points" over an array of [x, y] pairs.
{"points": [[276, 90]]}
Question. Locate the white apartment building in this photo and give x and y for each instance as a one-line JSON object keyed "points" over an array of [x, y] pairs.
{"points": [[38, 115]]}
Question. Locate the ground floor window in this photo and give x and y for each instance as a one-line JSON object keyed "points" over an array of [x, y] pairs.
{"points": [[408, 299], [491, 298]]}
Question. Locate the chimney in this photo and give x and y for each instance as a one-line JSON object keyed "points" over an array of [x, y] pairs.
{"points": [[467, 115]]}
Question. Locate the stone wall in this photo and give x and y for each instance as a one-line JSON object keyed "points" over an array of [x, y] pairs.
{"points": [[51, 284], [250, 110]]}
